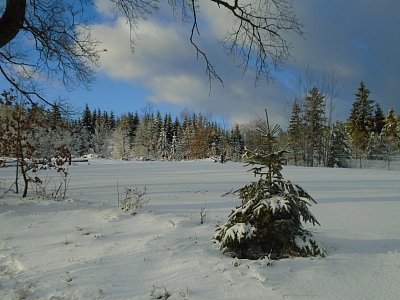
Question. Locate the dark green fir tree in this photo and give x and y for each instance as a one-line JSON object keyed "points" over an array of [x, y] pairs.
{"points": [[268, 223], [296, 135], [360, 123], [339, 150]]}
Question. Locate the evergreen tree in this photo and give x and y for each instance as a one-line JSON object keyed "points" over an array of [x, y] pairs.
{"points": [[174, 149], [96, 119], [198, 143], [360, 123], [163, 145], [158, 124], [133, 123], [377, 146], [237, 143], [120, 140], [53, 134], [155, 125], [55, 118], [101, 138], [391, 125], [392, 133], [314, 127], [168, 127], [398, 129], [339, 152], [296, 135], [146, 139], [113, 123], [87, 118], [269, 220], [185, 134], [213, 141], [80, 139], [378, 119], [176, 126], [106, 119]]}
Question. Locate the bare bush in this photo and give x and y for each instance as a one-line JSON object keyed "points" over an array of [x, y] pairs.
{"points": [[42, 186], [133, 200], [203, 214]]}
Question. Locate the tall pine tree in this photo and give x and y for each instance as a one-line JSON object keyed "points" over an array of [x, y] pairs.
{"points": [[360, 123], [314, 127], [378, 119], [339, 153], [296, 135], [392, 133]]}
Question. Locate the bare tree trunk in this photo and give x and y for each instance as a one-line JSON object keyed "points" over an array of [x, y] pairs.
{"points": [[21, 158], [12, 20], [23, 171], [16, 177]]}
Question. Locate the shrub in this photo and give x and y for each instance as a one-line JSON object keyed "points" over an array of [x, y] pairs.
{"points": [[269, 220], [133, 200]]}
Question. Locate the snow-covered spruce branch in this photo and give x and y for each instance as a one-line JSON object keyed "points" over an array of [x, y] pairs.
{"points": [[268, 223]]}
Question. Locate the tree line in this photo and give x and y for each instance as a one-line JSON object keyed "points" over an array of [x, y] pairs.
{"points": [[30, 131], [368, 133], [153, 136], [40, 139], [130, 136], [312, 139]]}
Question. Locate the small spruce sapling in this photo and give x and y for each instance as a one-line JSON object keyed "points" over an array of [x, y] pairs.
{"points": [[268, 223]]}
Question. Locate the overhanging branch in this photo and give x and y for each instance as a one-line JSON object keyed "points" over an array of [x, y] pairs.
{"points": [[12, 20]]}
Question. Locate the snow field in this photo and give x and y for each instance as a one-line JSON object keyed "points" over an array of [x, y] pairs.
{"points": [[87, 248]]}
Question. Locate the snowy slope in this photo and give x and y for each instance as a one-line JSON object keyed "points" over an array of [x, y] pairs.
{"points": [[87, 248]]}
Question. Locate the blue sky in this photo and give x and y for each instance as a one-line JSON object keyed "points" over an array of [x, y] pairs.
{"points": [[354, 40]]}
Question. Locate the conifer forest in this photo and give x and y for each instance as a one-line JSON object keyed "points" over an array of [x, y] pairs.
{"points": [[312, 137]]}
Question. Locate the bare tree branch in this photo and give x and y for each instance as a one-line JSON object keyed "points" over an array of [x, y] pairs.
{"points": [[257, 38], [210, 71], [55, 47], [30, 94], [258, 35], [133, 11], [55, 42]]}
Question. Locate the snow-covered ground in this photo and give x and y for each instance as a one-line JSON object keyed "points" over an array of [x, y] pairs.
{"points": [[87, 248]]}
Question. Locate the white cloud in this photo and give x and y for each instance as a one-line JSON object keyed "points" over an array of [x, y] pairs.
{"points": [[158, 46], [165, 64], [177, 89], [105, 8]]}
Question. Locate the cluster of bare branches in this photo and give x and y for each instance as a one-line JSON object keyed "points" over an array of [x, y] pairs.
{"points": [[258, 36], [133, 199], [51, 40], [54, 45]]}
